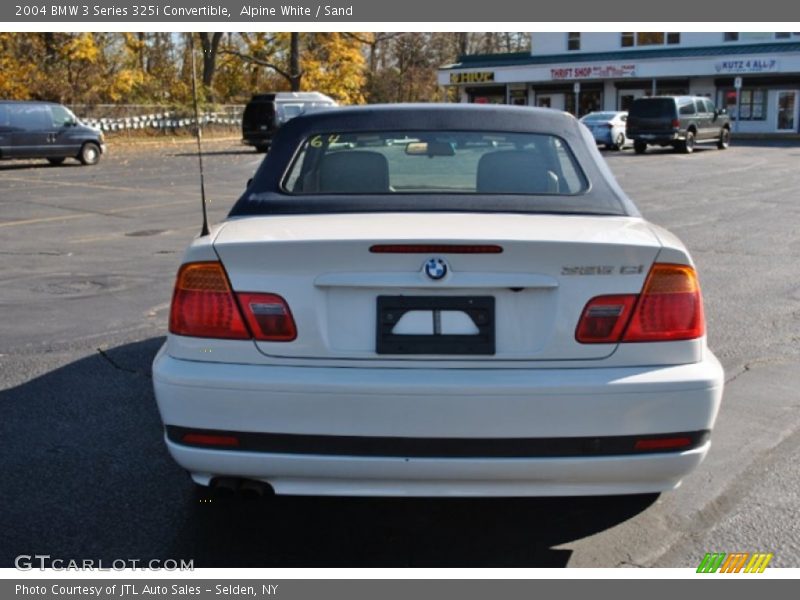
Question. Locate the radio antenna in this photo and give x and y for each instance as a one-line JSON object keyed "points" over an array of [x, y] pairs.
{"points": [[204, 230]]}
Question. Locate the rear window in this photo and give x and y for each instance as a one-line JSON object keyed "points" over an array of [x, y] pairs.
{"points": [[428, 162], [258, 113], [653, 108], [290, 111], [602, 116]]}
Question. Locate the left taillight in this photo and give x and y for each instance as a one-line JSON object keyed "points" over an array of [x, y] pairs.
{"points": [[204, 305]]}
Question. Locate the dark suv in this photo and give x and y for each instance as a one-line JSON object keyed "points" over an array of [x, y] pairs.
{"points": [[677, 121], [265, 113], [46, 130]]}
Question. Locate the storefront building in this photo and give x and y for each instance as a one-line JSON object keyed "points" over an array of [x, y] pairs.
{"points": [[585, 72]]}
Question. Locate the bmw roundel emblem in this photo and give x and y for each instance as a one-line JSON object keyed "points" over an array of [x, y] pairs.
{"points": [[435, 268]]}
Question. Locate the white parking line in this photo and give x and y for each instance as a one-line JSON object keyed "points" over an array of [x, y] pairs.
{"points": [[112, 211], [98, 186], [110, 236]]}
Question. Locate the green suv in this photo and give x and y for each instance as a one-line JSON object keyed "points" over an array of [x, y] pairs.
{"points": [[677, 121]]}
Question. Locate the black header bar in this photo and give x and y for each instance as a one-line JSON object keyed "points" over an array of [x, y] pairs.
{"points": [[390, 11]]}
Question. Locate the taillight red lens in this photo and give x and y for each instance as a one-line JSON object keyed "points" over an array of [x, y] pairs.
{"points": [[670, 306], [203, 304], [676, 123], [604, 319], [268, 316]]}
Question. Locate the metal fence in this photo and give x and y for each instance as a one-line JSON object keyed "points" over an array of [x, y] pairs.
{"points": [[155, 119]]}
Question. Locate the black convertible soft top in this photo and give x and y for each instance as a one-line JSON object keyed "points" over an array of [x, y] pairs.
{"points": [[265, 196]]}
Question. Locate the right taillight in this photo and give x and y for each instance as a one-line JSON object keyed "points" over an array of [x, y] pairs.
{"points": [[204, 305], [669, 308], [676, 123]]}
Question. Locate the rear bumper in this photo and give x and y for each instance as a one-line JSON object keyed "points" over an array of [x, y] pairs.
{"points": [[259, 139], [657, 137], [604, 137], [447, 406]]}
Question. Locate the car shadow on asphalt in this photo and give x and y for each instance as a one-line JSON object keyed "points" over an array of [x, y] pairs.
{"points": [[396, 532], [16, 166], [218, 153], [87, 476]]}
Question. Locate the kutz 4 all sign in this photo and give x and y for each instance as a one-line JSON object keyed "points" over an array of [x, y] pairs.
{"points": [[736, 562], [749, 65]]}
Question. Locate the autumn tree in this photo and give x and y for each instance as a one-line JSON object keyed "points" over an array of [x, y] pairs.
{"points": [[17, 65], [332, 63], [155, 67]]}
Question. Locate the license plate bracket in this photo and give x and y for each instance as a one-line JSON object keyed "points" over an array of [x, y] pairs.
{"points": [[481, 309]]}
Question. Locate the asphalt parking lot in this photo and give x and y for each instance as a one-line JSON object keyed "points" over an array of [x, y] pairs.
{"points": [[87, 260]]}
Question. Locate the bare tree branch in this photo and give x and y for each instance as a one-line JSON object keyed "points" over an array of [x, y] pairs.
{"points": [[263, 63]]}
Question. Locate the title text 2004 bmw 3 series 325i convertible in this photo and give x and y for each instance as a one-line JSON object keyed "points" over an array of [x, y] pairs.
{"points": [[437, 300]]}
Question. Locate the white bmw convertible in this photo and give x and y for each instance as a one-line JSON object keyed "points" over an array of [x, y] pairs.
{"points": [[479, 310]]}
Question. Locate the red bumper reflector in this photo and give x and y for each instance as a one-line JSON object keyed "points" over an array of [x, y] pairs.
{"points": [[205, 439], [662, 443], [436, 249]]}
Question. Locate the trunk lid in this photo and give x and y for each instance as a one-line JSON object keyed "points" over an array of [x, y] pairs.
{"points": [[549, 267]]}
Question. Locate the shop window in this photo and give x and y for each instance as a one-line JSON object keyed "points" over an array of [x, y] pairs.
{"points": [[753, 104], [649, 38], [670, 91], [574, 41], [590, 101], [758, 36], [518, 97], [786, 102], [487, 95]]}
